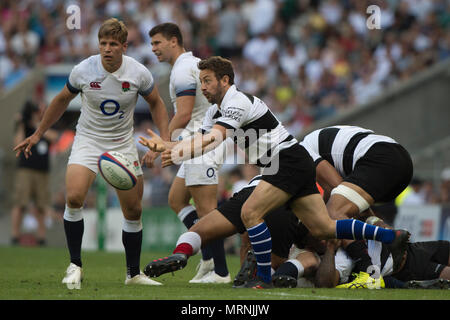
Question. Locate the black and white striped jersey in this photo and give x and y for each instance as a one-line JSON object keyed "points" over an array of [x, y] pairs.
{"points": [[255, 129], [381, 257], [341, 146]]}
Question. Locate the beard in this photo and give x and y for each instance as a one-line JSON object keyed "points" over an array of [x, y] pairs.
{"points": [[216, 97]]}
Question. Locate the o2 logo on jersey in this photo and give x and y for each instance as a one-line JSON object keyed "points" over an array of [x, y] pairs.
{"points": [[113, 112]]}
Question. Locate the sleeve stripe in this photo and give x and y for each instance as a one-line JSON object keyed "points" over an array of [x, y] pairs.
{"points": [[188, 92], [318, 160], [226, 125], [72, 88], [145, 93]]}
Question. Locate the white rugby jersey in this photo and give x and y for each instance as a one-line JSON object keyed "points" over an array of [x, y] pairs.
{"points": [[185, 81], [341, 146], [108, 99], [256, 129]]}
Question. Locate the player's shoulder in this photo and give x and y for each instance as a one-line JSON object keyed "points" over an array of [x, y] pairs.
{"points": [[185, 62], [133, 65], [234, 97], [212, 109], [89, 64]]}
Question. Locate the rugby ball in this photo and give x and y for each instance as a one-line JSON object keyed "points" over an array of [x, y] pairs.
{"points": [[117, 170]]}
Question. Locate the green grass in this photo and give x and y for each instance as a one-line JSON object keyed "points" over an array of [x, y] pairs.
{"points": [[36, 273]]}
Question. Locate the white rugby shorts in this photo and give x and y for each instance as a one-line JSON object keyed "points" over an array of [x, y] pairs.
{"points": [[86, 150], [204, 170]]}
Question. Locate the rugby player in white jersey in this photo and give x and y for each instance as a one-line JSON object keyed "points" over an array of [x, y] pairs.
{"points": [[109, 84], [197, 180], [288, 175]]}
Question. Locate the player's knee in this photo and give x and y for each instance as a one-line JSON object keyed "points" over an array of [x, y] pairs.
{"points": [[133, 212], [174, 202], [319, 233], [249, 215], [74, 200]]}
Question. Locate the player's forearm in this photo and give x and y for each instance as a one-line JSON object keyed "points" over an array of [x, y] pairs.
{"points": [[161, 119], [197, 146], [327, 177], [326, 274], [179, 121]]}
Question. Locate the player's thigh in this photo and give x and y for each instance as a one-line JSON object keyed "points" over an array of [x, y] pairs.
{"points": [[343, 206], [311, 210], [263, 199], [213, 226], [179, 195], [131, 200], [78, 181], [205, 198]]}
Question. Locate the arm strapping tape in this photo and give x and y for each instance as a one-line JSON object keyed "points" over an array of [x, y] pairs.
{"points": [[352, 196]]}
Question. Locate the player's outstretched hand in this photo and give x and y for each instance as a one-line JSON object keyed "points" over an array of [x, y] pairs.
{"points": [[26, 145], [149, 158], [166, 158], [155, 143]]}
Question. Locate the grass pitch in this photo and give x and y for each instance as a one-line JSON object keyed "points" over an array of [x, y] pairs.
{"points": [[36, 274]]}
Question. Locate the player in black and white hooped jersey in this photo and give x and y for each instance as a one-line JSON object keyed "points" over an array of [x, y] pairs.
{"points": [[109, 84], [357, 168], [288, 171], [358, 165]]}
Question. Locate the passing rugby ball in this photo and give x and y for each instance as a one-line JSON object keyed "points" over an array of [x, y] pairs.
{"points": [[117, 170]]}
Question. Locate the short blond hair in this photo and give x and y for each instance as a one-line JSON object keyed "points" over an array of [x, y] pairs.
{"points": [[115, 29]]}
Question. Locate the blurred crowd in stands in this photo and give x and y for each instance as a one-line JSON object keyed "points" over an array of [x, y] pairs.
{"points": [[308, 59]]}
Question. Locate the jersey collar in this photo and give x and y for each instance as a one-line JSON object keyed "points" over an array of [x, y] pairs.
{"points": [[183, 55], [228, 95]]}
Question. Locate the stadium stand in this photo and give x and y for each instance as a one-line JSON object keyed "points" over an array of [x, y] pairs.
{"points": [[317, 62]]}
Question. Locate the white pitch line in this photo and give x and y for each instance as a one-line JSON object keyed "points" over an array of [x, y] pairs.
{"points": [[305, 295]]}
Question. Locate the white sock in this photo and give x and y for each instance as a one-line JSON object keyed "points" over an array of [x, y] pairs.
{"points": [[191, 238], [132, 225], [73, 214], [185, 211], [299, 266]]}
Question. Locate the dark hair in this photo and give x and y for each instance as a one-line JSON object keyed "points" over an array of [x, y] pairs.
{"points": [[168, 30], [220, 66]]}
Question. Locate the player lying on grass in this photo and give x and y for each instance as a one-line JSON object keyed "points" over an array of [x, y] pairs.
{"points": [[288, 174], [426, 265]]}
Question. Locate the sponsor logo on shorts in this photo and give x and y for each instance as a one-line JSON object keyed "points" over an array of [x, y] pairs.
{"points": [[210, 172]]}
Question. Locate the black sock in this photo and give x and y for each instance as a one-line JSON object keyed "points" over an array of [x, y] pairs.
{"points": [[288, 269], [393, 283], [357, 250], [218, 254], [189, 220], [132, 242], [74, 235]]}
